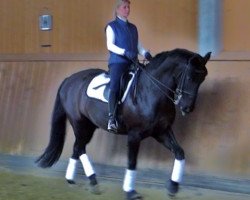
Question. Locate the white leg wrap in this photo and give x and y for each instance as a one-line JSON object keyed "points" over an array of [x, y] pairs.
{"points": [[129, 180], [178, 170], [71, 169], [87, 166]]}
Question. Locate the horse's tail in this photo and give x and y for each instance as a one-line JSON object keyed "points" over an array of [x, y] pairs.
{"points": [[57, 136]]}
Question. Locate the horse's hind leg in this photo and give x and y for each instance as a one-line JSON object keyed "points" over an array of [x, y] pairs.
{"points": [[83, 131], [169, 141], [71, 170], [73, 163]]}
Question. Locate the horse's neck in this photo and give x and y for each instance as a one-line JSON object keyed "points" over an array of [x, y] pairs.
{"points": [[162, 74], [156, 84]]}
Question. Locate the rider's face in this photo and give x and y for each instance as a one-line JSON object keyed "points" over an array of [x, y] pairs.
{"points": [[123, 10]]}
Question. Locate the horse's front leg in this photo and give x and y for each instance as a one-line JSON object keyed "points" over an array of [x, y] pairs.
{"points": [[130, 173], [169, 141]]}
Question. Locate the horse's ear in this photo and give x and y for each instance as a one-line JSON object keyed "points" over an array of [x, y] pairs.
{"points": [[207, 57]]}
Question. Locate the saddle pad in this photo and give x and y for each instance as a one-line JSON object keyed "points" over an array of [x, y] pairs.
{"points": [[98, 85]]}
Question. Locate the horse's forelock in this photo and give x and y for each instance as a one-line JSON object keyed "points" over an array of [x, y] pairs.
{"points": [[197, 62], [197, 69]]}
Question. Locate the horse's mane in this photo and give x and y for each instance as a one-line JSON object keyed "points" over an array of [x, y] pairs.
{"points": [[160, 57]]}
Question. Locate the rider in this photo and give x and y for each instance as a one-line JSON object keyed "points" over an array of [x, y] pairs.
{"points": [[123, 45]]}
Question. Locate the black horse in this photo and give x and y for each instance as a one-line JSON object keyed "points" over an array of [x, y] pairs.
{"points": [[171, 78]]}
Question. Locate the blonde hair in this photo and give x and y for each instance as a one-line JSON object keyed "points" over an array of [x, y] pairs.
{"points": [[118, 3]]}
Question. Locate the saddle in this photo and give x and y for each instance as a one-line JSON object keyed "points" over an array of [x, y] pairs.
{"points": [[100, 85]]}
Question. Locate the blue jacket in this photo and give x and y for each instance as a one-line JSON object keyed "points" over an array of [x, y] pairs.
{"points": [[126, 37]]}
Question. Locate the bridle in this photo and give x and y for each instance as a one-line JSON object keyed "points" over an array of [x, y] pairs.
{"points": [[177, 93]]}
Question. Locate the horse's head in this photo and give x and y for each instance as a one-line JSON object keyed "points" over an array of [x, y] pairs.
{"points": [[188, 80], [178, 74]]}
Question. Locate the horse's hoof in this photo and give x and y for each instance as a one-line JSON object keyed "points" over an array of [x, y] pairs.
{"points": [[95, 189], [71, 182], [133, 195], [173, 188]]}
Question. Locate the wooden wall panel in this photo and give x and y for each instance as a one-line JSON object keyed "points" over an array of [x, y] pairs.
{"points": [[166, 24], [78, 26], [27, 96], [12, 25], [236, 29]]}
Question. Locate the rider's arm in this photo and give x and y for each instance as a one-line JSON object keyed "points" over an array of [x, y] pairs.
{"points": [[110, 36]]}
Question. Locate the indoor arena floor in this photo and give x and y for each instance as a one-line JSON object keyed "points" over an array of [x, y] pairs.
{"points": [[18, 186]]}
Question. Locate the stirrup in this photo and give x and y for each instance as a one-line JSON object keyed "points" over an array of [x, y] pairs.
{"points": [[112, 125]]}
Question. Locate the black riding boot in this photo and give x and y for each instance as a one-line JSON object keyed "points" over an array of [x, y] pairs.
{"points": [[112, 123]]}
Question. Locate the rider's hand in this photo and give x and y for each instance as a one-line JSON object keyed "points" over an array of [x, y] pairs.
{"points": [[130, 55], [148, 56]]}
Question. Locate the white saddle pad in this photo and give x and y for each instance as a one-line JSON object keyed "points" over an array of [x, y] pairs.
{"points": [[99, 83]]}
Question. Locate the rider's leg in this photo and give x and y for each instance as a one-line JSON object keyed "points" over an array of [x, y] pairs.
{"points": [[116, 71], [112, 124]]}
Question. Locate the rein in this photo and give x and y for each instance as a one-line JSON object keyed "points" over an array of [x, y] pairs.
{"points": [[177, 93]]}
